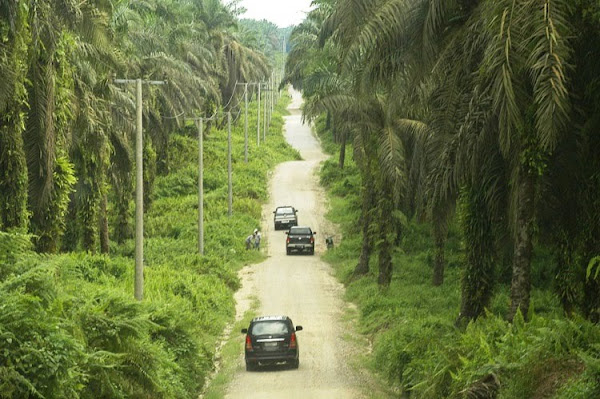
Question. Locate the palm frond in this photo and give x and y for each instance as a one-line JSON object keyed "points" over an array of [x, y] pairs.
{"points": [[502, 62], [549, 64]]}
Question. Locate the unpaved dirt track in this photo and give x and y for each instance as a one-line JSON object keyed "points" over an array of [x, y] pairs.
{"points": [[300, 286]]}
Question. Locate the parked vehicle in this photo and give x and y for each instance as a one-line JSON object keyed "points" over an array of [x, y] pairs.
{"points": [[300, 239], [271, 340], [285, 217]]}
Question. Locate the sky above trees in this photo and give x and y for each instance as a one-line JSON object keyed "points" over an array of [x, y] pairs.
{"points": [[282, 13]]}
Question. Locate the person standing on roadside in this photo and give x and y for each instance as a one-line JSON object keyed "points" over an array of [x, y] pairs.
{"points": [[249, 241], [257, 238]]}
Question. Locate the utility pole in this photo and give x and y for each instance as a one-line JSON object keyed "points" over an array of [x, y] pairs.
{"points": [[265, 113], [258, 118], [268, 105], [283, 52], [272, 95], [139, 186], [200, 123], [246, 123], [229, 172]]}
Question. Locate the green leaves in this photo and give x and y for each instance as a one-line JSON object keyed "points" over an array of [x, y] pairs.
{"points": [[549, 61], [594, 264]]}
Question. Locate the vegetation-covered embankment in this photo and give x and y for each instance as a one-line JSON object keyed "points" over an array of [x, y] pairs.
{"points": [[411, 323], [69, 325]]}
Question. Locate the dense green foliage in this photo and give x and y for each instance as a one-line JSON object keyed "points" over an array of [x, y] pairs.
{"points": [[477, 109], [68, 123], [411, 324], [265, 36], [69, 326]]}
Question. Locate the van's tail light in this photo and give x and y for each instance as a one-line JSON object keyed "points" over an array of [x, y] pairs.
{"points": [[248, 343], [312, 239], [287, 240], [293, 343]]}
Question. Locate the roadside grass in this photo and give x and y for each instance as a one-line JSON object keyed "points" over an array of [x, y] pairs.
{"points": [[410, 326], [231, 352], [372, 385]]}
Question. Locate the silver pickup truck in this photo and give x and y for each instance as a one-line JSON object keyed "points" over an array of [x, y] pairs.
{"points": [[300, 239], [285, 217]]}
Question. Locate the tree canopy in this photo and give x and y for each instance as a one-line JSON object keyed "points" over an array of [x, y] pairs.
{"points": [[471, 110], [67, 127]]}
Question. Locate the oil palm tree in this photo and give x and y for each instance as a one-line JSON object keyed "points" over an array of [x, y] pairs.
{"points": [[49, 116], [13, 67], [525, 68], [517, 60]]}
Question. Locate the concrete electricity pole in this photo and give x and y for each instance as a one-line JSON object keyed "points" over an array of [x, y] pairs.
{"points": [[246, 123], [229, 172], [258, 118], [265, 113], [269, 99], [139, 186], [272, 95], [200, 123]]}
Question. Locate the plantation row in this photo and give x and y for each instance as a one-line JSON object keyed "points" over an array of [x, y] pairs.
{"points": [[473, 186], [418, 349], [68, 108], [485, 110], [69, 326]]}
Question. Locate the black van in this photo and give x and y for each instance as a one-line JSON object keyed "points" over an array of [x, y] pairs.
{"points": [[271, 340]]}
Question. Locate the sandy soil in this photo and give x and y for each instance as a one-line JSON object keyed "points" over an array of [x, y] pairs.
{"points": [[300, 286]]}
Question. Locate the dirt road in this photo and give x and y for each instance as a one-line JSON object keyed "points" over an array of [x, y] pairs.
{"points": [[300, 286]]}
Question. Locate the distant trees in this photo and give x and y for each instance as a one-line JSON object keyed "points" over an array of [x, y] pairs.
{"points": [[483, 108], [66, 128]]}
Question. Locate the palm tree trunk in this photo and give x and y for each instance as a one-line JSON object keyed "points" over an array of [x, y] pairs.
{"points": [[478, 275], [123, 230], [40, 139], [591, 300], [88, 205], [368, 200], [342, 158], [103, 220], [520, 289], [13, 162], [385, 244], [566, 281], [334, 130], [385, 260], [149, 162], [13, 175], [123, 188]]}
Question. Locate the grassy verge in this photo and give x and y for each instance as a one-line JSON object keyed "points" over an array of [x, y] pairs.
{"points": [[230, 353], [410, 325]]}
